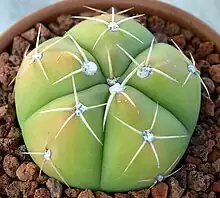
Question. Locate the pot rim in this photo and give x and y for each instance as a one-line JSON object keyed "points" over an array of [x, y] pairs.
{"points": [[152, 7]]}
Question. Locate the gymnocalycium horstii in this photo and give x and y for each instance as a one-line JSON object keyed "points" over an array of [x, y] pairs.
{"points": [[105, 106]]}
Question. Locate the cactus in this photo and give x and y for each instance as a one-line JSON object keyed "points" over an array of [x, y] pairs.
{"points": [[105, 106]]}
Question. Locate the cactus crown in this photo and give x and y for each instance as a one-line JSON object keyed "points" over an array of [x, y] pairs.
{"points": [[105, 106]]}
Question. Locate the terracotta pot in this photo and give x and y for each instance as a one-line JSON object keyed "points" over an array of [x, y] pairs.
{"points": [[166, 11]]}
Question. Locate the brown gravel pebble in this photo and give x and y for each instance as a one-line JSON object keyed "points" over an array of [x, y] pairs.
{"points": [[216, 165], [4, 183], [86, 194], [42, 193], [28, 188], [214, 155], [140, 194], [161, 37], [100, 194], [206, 168], [160, 190], [27, 171], [45, 32], [193, 160], [30, 35], [65, 22], [214, 72], [19, 46], [55, 188], [72, 192], [13, 190], [181, 177], [198, 181], [190, 167], [42, 179], [15, 60], [191, 194], [180, 40], [4, 57], [209, 84], [172, 29], [156, 24], [120, 195], [205, 49], [8, 144], [10, 165], [14, 133], [213, 59], [216, 187], [187, 34], [54, 27], [208, 106], [175, 190]]}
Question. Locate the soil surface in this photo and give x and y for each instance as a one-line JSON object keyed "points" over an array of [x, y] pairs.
{"points": [[200, 173]]}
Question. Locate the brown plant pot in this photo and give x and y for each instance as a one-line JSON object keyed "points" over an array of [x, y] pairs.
{"points": [[152, 7]]}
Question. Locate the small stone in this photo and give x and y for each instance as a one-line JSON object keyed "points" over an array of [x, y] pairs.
{"points": [[216, 187], [191, 194], [27, 171], [216, 165], [19, 152], [156, 24], [42, 179], [213, 59], [45, 32], [8, 144], [206, 168], [209, 145], [189, 50], [205, 49], [214, 72], [211, 195], [55, 188], [120, 195], [42, 193], [86, 194], [72, 193], [214, 155], [15, 60], [180, 40], [100, 194], [14, 133], [3, 111], [3, 130], [65, 22], [30, 35], [190, 167], [19, 46], [172, 29], [54, 27], [195, 42], [209, 84], [4, 183], [140, 194], [28, 188], [181, 177], [208, 106], [160, 190], [10, 165], [187, 34], [193, 160], [4, 57], [175, 190], [161, 37], [13, 190], [198, 181], [203, 66]]}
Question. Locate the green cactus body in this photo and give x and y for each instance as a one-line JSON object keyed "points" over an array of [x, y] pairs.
{"points": [[96, 113]]}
